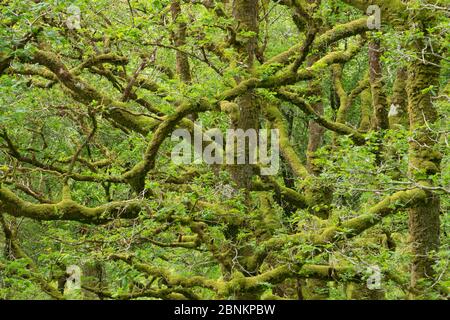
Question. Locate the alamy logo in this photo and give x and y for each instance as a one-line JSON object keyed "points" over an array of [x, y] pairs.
{"points": [[73, 281], [73, 22], [374, 279], [374, 21], [240, 147]]}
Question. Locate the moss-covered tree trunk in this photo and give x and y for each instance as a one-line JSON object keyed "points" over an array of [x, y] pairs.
{"points": [[366, 111], [315, 289], [380, 120], [179, 37], [424, 162], [315, 130], [424, 158], [315, 137], [245, 13]]}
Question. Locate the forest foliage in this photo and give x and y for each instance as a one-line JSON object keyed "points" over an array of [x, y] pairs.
{"points": [[93, 207]]}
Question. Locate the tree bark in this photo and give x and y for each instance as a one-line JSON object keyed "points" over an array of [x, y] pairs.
{"points": [[379, 104], [424, 162], [182, 61], [245, 12]]}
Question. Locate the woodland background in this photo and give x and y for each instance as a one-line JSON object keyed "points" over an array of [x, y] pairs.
{"points": [[86, 179]]}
